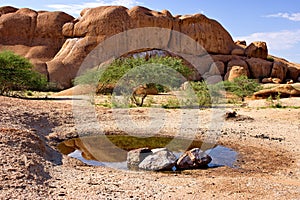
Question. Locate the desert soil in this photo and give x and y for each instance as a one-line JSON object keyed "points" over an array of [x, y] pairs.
{"points": [[267, 140]]}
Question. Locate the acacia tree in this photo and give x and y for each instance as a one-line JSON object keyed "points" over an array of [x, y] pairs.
{"points": [[16, 74], [131, 74], [242, 87]]}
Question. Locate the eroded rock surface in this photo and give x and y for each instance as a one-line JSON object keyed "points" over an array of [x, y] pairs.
{"points": [[282, 90], [36, 35], [57, 44]]}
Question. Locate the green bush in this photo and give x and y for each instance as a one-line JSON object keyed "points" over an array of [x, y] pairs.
{"points": [[207, 94], [270, 58], [16, 74], [242, 87]]}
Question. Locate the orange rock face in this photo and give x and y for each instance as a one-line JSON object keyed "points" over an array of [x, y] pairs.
{"points": [[98, 24], [257, 50], [35, 35], [57, 44]]}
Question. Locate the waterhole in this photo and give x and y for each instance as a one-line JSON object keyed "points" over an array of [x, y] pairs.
{"points": [[111, 150]]}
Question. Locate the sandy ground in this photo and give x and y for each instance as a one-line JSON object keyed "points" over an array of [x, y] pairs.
{"points": [[267, 140]]}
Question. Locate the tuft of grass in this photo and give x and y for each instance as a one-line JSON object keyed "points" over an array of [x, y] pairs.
{"points": [[270, 58], [171, 103]]}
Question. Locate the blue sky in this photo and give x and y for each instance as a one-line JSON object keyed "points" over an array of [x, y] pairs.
{"points": [[275, 21]]}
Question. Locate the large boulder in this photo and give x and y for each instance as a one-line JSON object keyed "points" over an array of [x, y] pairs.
{"points": [[284, 91], [160, 160], [7, 9], [279, 70], [215, 73], [98, 24], [57, 44], [34, 35], [257, 50], [294, 72], [259, 68], [235, 72], [237, 62]]}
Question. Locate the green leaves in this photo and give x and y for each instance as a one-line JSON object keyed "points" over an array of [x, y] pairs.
{"points": [[242, 86], [133, 69], [16, 74]]}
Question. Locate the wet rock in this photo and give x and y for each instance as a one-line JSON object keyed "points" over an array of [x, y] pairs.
{"points": [[160, 160], [135, 157], [193, 159]]}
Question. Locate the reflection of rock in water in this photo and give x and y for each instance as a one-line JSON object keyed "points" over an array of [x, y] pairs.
{"points": [[114, 148], [94, 148], [128, 152]]}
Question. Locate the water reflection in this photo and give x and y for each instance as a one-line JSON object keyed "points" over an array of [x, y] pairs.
{"points": [[111, 150]]}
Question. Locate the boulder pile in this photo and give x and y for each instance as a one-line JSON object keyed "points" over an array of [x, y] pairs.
{"points": [[163, 159], [57, 44]]}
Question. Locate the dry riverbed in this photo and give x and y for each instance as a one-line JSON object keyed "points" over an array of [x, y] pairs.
{"points": [[267, 141]]}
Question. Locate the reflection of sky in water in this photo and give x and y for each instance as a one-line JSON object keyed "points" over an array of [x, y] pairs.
{"points": [[221, 156], [118, 165]]}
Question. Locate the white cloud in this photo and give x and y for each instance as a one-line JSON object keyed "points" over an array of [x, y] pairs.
{"points": [[282, 40], [76, 8], [289, 16]]}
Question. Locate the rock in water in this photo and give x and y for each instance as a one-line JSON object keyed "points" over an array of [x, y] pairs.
{"points": [[161, 160], [135, 157], [193, 159]]}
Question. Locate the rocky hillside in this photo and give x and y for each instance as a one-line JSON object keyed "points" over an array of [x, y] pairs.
{"points": [[57, 44]]}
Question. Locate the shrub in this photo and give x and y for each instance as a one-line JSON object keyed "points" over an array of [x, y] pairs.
{"points": [[171, 103], [275, 104], [16, 74], [207, 94], [242, 86], [270, 58]]}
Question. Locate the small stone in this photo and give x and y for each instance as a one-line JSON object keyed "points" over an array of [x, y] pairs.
{"points": [[193, 159], [230, 114]]}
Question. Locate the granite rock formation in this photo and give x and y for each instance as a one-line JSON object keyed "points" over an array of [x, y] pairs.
{"points": [[57, 44]]}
